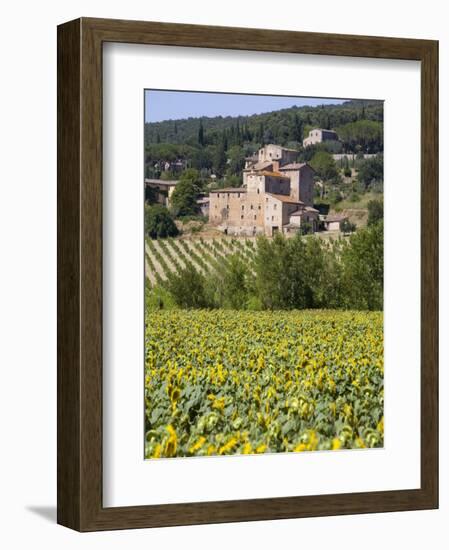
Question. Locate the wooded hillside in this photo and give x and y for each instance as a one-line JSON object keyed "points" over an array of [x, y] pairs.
{"points": [[280, 126]]}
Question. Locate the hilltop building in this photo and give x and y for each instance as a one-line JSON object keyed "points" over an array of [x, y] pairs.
{"points": [[318, 135], [276, 196]]}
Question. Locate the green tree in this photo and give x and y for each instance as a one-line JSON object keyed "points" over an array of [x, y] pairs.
{"points": [[183, 200], [236, 160], [371, 170], [296, 132], [260, 134], [219, 159], [158, 222], [375, 211], [367, 134], [268, 268], [324, 165], [347, 227], [201, 134], [281, 273], [235, 284], [187, 288], [363, 268]]}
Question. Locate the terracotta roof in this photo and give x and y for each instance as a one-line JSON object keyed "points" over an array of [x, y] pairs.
{"points": [[294, 166], [284, 198], [229, 190], [335, 218], [303, 211], [262, 165], [273, 174]]}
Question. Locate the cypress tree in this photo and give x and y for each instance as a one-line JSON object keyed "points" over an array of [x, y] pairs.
{"points": [[201, 134]]}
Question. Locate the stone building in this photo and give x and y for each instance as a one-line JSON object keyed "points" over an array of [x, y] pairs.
{"points": [[276, 196], [159, 191], [318, 135], [333, 222]]}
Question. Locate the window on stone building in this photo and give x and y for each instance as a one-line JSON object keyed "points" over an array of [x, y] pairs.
{"points": [[255, 217], [252, 207], [275, 206], [241, 217], [243, 207]]}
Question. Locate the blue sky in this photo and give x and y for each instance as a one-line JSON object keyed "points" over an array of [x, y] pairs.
{"points": [[165, 105]]}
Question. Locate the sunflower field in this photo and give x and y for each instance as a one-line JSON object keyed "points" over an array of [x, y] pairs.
{"points": [[220, 382]]}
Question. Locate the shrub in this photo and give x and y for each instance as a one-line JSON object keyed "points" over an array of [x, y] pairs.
{"points": [[159, 223], [375, 211]]}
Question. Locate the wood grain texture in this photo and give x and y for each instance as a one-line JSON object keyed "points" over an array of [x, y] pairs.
{"points": [[80, 274], [68, 317], [429, 271]]}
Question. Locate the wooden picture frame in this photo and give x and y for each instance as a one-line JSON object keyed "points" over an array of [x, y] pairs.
{"points": [[80, 351]]}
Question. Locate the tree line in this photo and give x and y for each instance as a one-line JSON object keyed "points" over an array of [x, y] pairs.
{"points": [[282, 125], [220, 144], [291, 273]]}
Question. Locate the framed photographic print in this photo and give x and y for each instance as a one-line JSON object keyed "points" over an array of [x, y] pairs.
{"points": [[247, 274]]}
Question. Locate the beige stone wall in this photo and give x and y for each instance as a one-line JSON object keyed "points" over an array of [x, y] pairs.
{"points": [[269, 152], [287, 210], [254, 211], [255, 182], [294, 176], [313, 137], [258, 183], [301, 184], [306, 186], [333, 226], [276, 152], [273, 214], [317, 136], [277, 214], [237, 212], [278, 186]]}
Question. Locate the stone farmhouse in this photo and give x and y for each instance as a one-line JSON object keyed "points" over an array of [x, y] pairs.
{"points": [[160, 190], [276, 196], [318, 135]]}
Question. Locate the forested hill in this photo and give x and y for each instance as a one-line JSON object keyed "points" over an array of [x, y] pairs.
{"points": [[282, 127]]}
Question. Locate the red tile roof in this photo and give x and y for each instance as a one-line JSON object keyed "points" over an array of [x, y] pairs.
{"points": [[335, 218], [229, 190], [285, 198], [294, 166]]}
